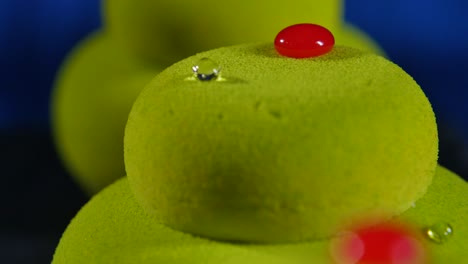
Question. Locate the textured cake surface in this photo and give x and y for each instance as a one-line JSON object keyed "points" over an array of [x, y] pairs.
{"points": [[113, 228], [283, 149]]}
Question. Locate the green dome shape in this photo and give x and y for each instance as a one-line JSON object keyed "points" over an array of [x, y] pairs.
{"points": [[94, 92], [283, 149], [113, 228], [169, 31]]}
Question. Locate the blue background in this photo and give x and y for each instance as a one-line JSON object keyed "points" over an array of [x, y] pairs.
{"points": [[35, 36], [429, 39]]}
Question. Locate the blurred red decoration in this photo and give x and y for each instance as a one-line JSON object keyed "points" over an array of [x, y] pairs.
{"points": [[388, 243]]}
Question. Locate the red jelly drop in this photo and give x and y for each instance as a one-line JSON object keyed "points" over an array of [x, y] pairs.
{"points": [[304, 41], [384, 244]]}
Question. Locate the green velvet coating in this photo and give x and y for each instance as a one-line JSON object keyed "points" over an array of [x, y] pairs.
{"points": [[113, 228], [168, 31], [445, 202], [284, 149], [94, 92]]}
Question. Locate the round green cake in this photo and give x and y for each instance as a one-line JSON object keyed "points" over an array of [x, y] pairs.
{"points": [[114, 228], [279, 149]]}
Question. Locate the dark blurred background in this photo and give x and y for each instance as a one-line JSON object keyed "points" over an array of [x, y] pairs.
{"points": [[429, 39]]}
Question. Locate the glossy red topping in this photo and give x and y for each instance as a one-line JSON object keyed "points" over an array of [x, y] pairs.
{"points": [[304, 41]]}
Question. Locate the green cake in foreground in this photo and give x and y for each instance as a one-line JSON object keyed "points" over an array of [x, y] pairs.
{"points": [[283, 149], [113, 228]]}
